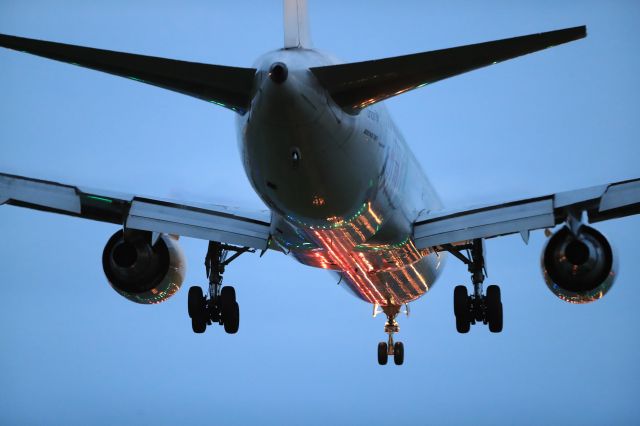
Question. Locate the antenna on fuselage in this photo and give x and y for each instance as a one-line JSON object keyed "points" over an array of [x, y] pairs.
{"points": [[296, 24]]}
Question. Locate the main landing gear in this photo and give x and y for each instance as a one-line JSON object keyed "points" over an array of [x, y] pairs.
{"points": [[220, 306], [389, 348], [477, 307]]}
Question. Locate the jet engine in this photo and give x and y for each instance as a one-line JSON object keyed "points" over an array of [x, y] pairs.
{"points": [[141, 270], [578, 267]]}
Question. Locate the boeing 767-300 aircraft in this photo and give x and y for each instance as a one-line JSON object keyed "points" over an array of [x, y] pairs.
{"points": [[344, 190]]}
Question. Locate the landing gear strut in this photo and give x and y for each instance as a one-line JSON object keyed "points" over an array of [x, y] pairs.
{"points": [[475, 308], [389, 348], [220, 305]]}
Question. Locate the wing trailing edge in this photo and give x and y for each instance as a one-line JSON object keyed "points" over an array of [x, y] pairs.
{"points": [[603, 202], [355, 86], [230, 87], [204, 221]]}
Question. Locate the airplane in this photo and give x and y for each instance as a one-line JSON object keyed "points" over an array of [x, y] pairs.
{"points": [[343, 189]]}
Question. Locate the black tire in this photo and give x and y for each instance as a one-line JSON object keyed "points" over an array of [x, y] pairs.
{"points": [[462, 325], [494, 308], [398, 353], [198, 325], [195, 302], [461, 309], [383, 353], [228, 293], [461, 302], [231, 317]]}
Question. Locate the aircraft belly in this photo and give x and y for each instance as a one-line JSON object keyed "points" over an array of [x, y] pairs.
{"points": [[395, 274], [384, 272], [399, 286]]}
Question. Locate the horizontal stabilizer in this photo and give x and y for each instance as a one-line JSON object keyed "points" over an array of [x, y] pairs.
{"points": [[357, 85], [226, 86]]}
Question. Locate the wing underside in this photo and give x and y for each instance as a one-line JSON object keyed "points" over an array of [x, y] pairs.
{"points": [[208, 222], [433, 229]]}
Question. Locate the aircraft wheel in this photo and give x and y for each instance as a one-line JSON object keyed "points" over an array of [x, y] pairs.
{"points": [[383, 353], [228, 294], [462, 325], [461, 301], [398, 353], [231, 316], [197, 310], [195, 303], [198, 325], [494, 308], [461, 309]]}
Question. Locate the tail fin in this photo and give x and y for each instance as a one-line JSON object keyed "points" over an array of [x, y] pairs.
{"points": [[296, 24]]}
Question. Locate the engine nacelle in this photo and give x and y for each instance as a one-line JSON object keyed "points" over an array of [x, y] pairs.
{"points": [[579, 268], [142, 272]]}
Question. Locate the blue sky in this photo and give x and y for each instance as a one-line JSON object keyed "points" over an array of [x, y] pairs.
{"points": [[74, 351]]}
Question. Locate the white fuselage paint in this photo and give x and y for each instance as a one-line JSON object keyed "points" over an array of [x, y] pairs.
{"points": [[344, 189]]}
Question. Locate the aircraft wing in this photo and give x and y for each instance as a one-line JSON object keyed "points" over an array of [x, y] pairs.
{"points": [[208, 222], [436, 228]]}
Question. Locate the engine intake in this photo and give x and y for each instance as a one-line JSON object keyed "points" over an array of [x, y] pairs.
{"points": [[578, 268], [142, 272]]}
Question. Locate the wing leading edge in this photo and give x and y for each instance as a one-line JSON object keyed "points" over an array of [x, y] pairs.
{"points": [[602, 202], [230, 87], [208, 222], [355, 86]]}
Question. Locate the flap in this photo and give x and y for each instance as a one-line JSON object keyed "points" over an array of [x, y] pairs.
{"points": [[208, 222], [602, 202]]}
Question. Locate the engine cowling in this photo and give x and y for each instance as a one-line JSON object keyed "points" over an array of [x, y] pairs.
{"points": [[579, 268], [142, 272]]}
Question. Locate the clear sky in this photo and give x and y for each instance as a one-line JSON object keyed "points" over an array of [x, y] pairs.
{"points": [[74, 352]]}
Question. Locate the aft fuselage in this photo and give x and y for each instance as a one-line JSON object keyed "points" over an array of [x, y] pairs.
{"points": [[344, 189]]}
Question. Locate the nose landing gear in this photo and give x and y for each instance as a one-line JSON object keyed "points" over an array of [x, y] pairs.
{"points": [[389, 348], [220, 306]]}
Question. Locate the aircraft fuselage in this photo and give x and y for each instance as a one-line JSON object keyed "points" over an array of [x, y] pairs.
{"points": [[344, 189]]}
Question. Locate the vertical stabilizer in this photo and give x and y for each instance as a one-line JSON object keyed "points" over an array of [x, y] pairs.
{"points": [[296, 24]]}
